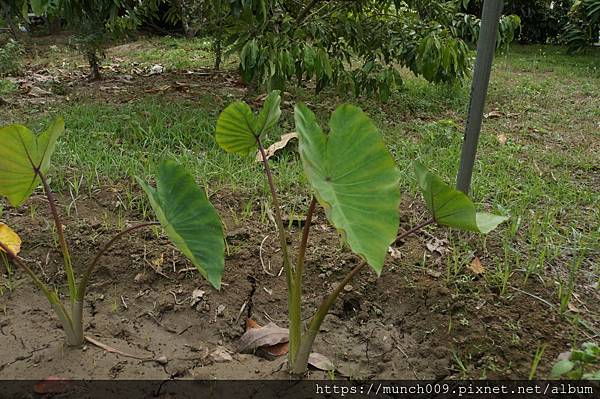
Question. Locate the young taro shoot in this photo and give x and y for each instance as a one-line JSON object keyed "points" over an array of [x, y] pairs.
{"points": [[181, 207], [354, 179]]}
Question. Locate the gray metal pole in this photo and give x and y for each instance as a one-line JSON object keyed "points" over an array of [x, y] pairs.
{"points": [[486, 46]]}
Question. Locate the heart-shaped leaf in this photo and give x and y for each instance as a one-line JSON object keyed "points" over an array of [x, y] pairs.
{"points": [[451, 207], [21, 153], [189, 219], [10, 239], [238, 128], [354, 178]]}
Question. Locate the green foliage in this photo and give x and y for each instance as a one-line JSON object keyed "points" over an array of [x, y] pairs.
{"points": [[581, 364], [450, 207], [238, 129], [354, 178], [96, 22], [11, 54], [23, 155], [7, 87], [583, 28], [189, 219], [181, 206], [542, 21], [442, 59], [356, 46]]}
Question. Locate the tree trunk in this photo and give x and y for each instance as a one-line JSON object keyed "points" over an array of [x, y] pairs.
{"points": [[54, 26], [218, 50], [94, 62]]}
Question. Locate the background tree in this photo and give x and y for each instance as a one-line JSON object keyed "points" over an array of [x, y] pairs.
{"points": [[542, 21], [583, 27], [97, 22], [13, 12], [357, 45]]}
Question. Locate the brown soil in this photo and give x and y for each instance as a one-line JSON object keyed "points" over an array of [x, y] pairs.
{"points": [[410, 323]]}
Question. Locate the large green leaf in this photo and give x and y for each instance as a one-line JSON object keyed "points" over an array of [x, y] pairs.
{"points": [[451, 207], [238, 128], [21, 153], [354, 178], [189, 219]]}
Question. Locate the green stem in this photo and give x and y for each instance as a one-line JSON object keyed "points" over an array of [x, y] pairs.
{"points": [[81, 290], [301, 361], [293, 307], [17, 261], [57, 306], [90, 269], [61, 237], [296, 323], [304, 241]]}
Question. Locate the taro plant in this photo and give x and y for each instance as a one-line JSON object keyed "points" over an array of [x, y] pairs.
{"points": [[354, 179], [181, 207]]}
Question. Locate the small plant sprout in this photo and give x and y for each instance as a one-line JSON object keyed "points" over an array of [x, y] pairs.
{"points": [[181, 207], [355, 180], [579, 364]]}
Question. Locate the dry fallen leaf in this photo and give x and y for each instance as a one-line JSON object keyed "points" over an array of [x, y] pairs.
{"points": [[197, 296], [158, 262], [51, 385], [395, 252], [9, 238], [437, 245], [271, 339], [37, 92], [494, 114], [476, 266], [433, 273], [502, 138], [320, 362], [573, 308], [273, 148]]}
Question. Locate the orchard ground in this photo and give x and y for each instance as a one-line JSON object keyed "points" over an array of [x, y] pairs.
{"points": [[433, 313]]}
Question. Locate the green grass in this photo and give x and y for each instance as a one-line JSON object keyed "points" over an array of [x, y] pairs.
{"points": [[174, 53], [7, 87], [545, 176]]}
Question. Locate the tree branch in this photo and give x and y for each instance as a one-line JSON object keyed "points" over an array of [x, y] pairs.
{"points": [[306, 10]]}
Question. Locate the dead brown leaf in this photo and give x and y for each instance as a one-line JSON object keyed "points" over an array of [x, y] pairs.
{"points": [[277, 146], [320, 362], [270, 340], [476, 267], [502, 138], [35, 91], [437, 245], [51, 385], [494, 114], [573, 308]]}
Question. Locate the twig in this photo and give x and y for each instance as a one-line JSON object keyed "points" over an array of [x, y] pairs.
{"points": [[397, 346], [175, 298], [262, 262], [237, 319], [533, 296], [110, 349]]}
